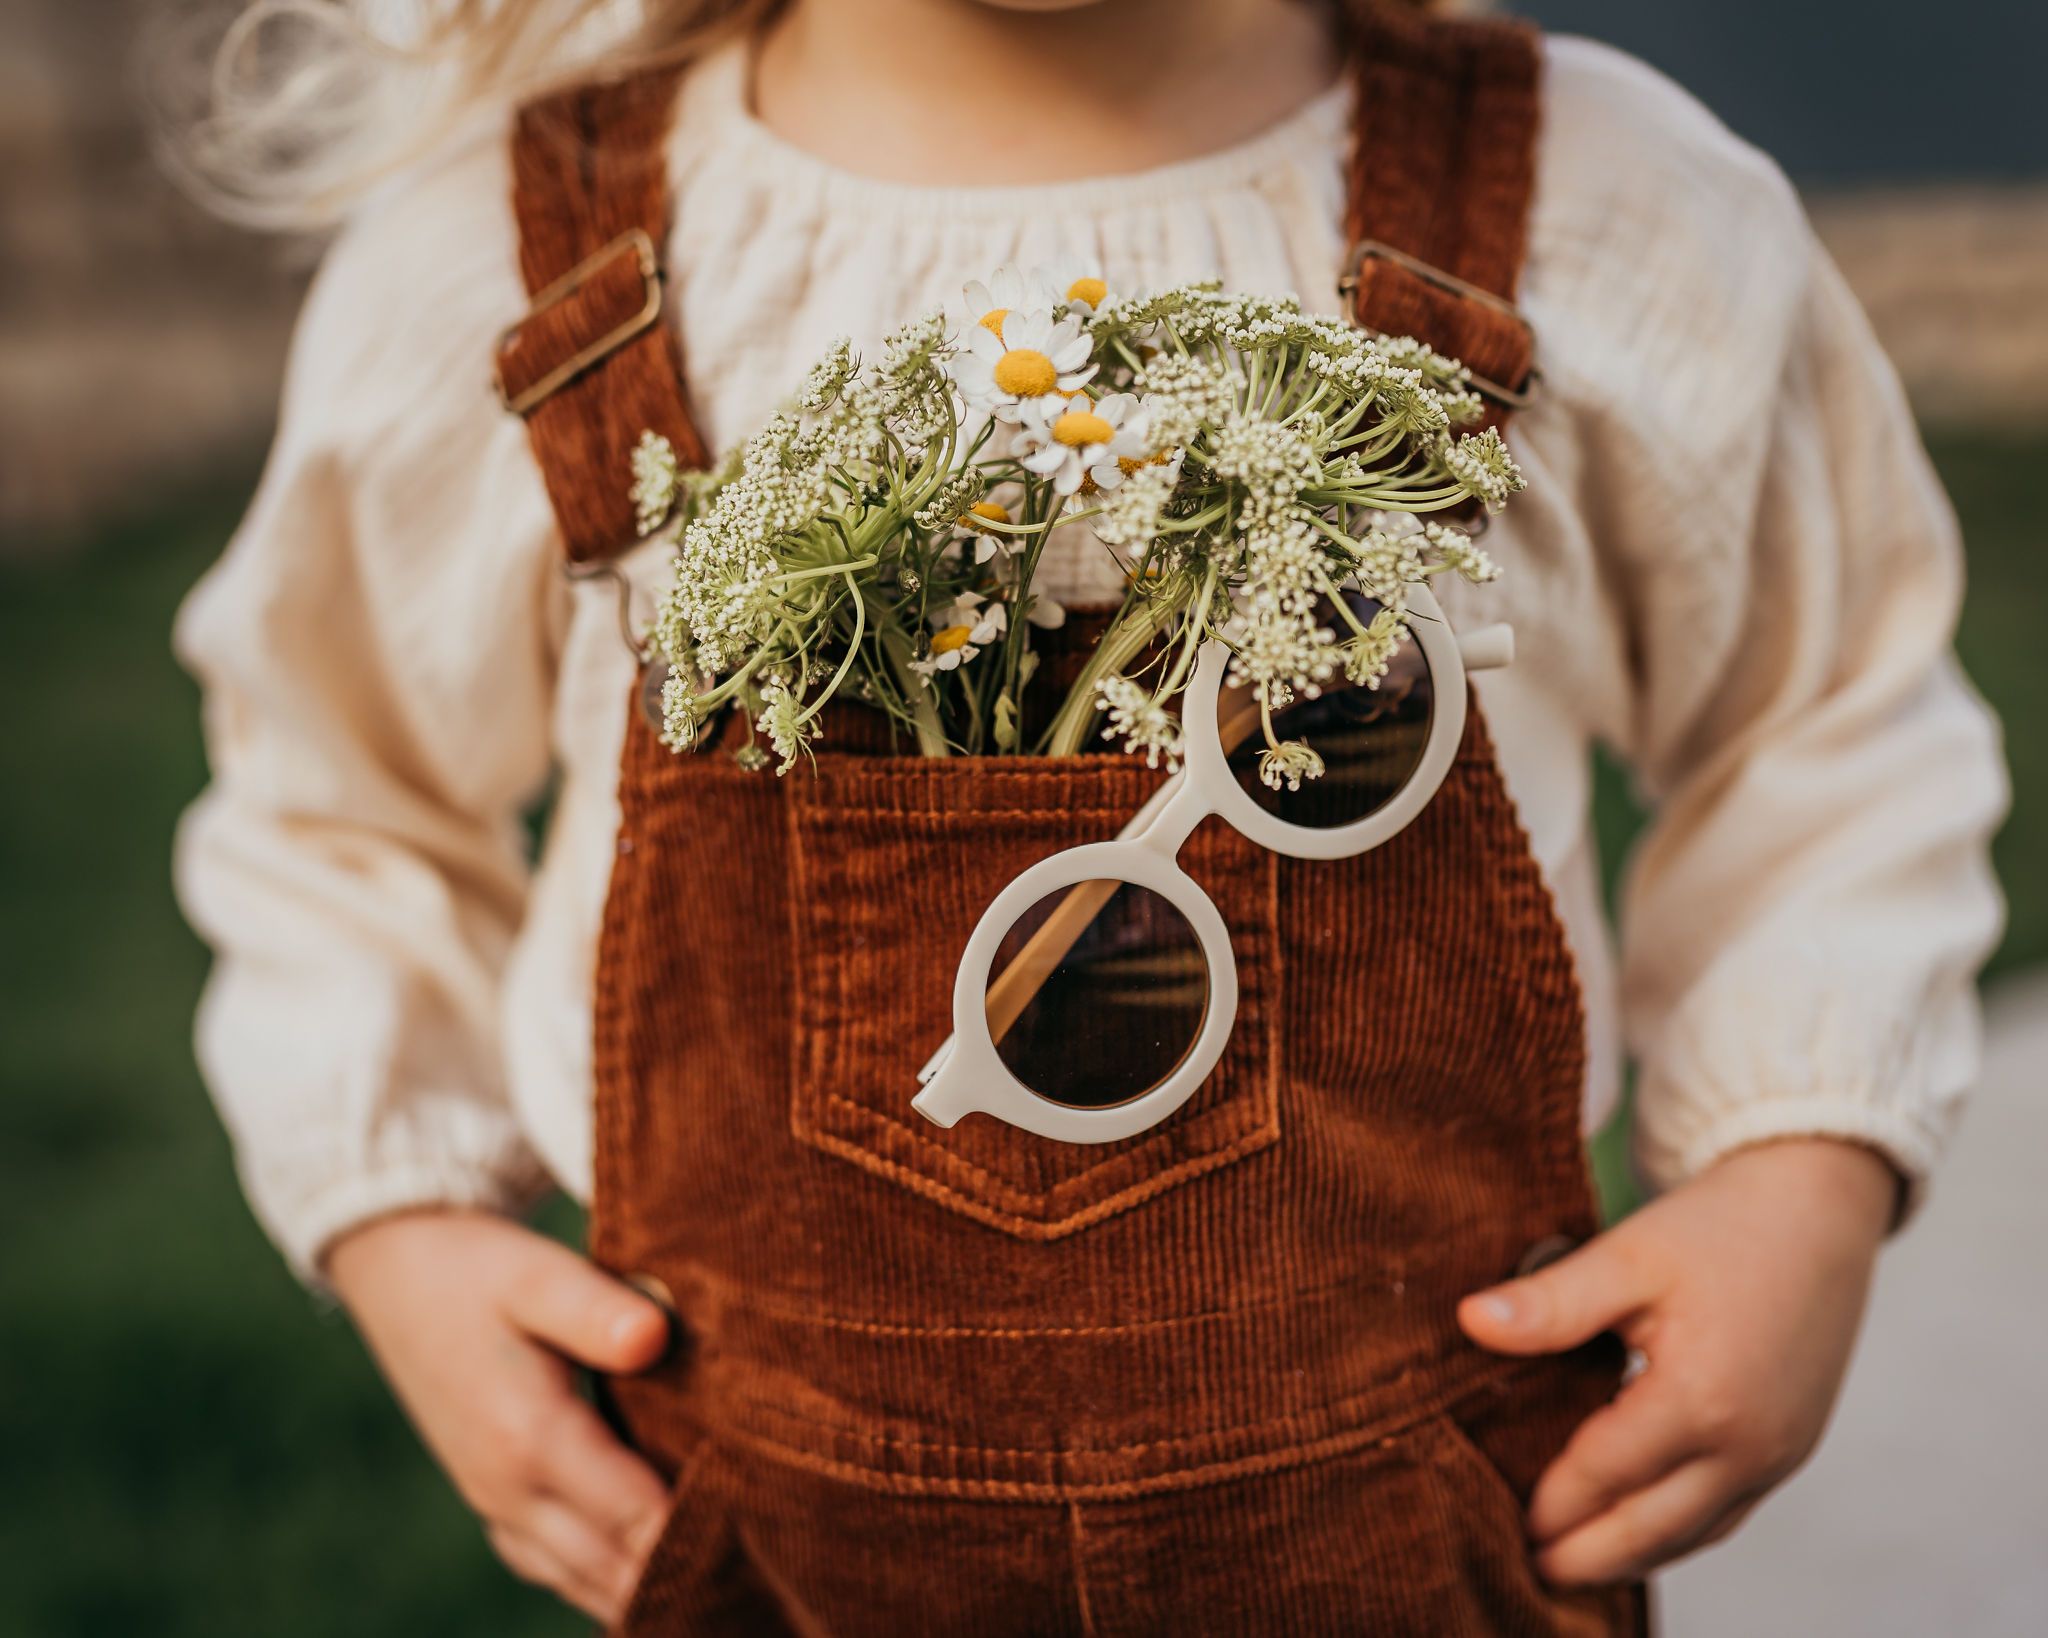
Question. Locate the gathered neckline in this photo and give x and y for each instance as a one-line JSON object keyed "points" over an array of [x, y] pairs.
{"points": [[716, 105]]}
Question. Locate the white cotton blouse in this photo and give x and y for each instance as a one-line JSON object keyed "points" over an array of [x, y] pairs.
{"points": [[1733, 565]]}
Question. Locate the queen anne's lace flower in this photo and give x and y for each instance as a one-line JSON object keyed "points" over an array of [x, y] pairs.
{"points": [[1481, 462], [1370, 653], [681, 721], [1254, 466], [1288, 763], [1184, 394], [1131, 515], [829, 376], [657, 479], [955, 499], [1140, 720], [1457, 551], [782, 720]]}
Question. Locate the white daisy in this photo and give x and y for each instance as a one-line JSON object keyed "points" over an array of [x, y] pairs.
{"points": [[960, 631], [1082, 290], [1079, 443], [1044, 613], [982, 541], [1034, 357], [1009, 289]]}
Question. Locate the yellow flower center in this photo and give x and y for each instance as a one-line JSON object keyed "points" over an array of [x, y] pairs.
{"points": [[991, 511], [992, 321], [1089, 290], [944, 642], [1026, 372], [1078, 427]]}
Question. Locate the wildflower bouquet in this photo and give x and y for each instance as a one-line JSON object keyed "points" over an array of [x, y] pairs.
{"points": [[1245, 462]]}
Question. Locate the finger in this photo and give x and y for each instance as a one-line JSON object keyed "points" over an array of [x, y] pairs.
{"points": [[589, 1470], [1644, 1530], [525, 1557], [1730, 1521], [579, 1310], [1595, 1289], [1619, 1449], [602, 1570]]}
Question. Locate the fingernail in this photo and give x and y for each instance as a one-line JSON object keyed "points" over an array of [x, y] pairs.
{"points": [[1499, 1307], [629, 1330]]}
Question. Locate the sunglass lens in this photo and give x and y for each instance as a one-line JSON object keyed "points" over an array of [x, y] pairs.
{"points": [[1097, 994], [1370, 739]]}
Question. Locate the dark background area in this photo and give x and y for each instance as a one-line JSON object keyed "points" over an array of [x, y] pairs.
{"points": [[1847, 93]]}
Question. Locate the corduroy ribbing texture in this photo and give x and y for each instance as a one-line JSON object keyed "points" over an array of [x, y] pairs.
{"points": [[879, 1312], [1204, 1380]]}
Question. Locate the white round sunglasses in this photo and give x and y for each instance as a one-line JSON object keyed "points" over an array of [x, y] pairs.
{"points": [[1118, 989]]}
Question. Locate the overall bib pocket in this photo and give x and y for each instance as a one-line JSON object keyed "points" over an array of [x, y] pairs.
{"points": [[892, 861]]}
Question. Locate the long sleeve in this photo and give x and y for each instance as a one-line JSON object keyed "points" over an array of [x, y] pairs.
{"points": [[1749, 579], [376, 649], [1804, 922]]}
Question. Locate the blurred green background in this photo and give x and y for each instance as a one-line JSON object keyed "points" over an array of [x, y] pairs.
{"points": [[189, 1440]]}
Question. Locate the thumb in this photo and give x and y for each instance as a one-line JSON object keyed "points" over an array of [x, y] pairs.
{"points": [[1568, 1303], [567, 1302]]}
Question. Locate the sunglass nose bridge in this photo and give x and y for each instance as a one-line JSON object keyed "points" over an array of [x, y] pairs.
{"points": [[1175, 821]]}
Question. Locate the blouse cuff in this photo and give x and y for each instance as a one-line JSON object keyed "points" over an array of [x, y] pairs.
{"points": [[307, 1227], [1671, 1150]]}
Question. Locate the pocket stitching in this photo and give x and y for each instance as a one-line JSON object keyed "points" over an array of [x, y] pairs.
{"points": [[1256, 1137], [1246, 1123], [1260, 1106]]}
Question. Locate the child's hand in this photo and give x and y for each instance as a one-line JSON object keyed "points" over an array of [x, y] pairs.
{"points": [[474, 1320], [1743, 1290]]}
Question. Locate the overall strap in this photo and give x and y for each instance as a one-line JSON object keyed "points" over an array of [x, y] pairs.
{"points": [[594, 364], [1442, 168]]}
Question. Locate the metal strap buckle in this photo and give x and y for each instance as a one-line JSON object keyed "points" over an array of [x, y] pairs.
{"points": [[640, 244], [1518, 397]]}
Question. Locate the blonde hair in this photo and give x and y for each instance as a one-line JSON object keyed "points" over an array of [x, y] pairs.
{"points": [[282, 114]]}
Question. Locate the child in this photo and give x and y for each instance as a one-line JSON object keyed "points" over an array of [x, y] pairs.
{"points": [[1330, 1351]]}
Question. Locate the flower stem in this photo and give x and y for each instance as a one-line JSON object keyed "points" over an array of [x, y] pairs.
{"points": [[1119, 645], [924, 714]]}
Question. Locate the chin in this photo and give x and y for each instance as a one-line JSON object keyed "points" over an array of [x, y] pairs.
{"points": [[1038, 5]]}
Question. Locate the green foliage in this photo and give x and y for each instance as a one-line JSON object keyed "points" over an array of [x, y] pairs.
{"points": [[2004, 646], [193, 1446]]}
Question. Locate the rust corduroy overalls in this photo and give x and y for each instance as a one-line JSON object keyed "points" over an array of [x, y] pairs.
{"points": [[972, 1382]]}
